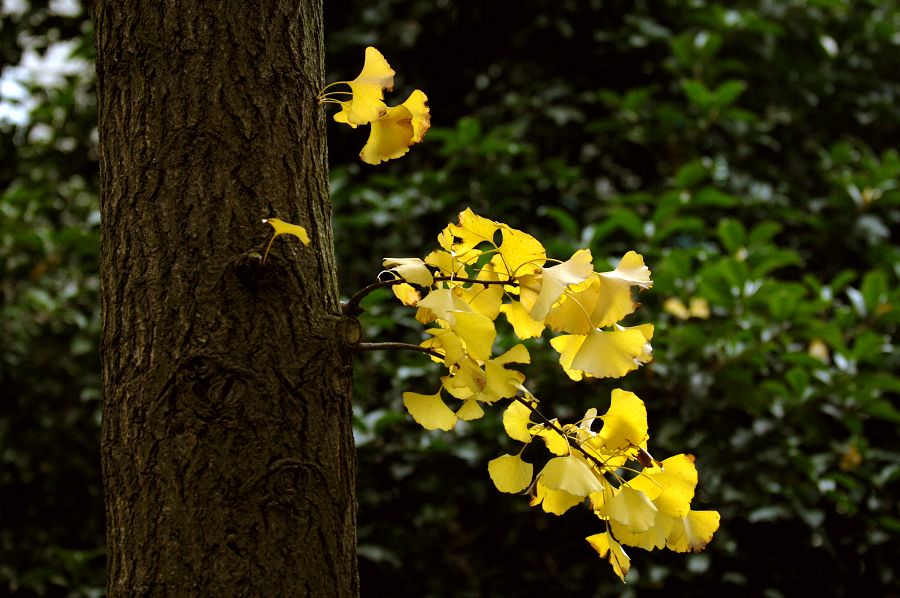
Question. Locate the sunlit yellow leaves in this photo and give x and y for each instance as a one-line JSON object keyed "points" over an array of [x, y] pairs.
{"points": [[284, 228], [631, 269], [410, 269], [485, 298], [406, 293], [602, 300], [472, 230], [571, 475], [490, 382], [516, 421], [556, 443], [394, 128], [671, 487], [602, 354], [503, 383], [519, 253], [510, 473], [693, 532], [612, 551], [470, 410], [523, 324], [397, 129], [365, 103], [554, 501], [429, 411], [484, 268], [538, 292], [629, 507], [476, 331], [625, 423], [440, 304]]}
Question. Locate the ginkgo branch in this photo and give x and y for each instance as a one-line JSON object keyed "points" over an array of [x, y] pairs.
{"points": [[398, 346]]}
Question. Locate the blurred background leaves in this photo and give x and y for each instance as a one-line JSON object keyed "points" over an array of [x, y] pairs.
{"points": [[746, 149]]}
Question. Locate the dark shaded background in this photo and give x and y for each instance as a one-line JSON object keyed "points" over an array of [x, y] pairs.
{"points": [[746, 149]]}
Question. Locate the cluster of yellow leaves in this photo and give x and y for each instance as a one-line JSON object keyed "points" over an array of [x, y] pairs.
{"points": [[643, 502], [394, 128], [485, 268]]}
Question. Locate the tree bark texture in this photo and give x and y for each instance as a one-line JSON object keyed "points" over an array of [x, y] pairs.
{"points": [[228, 457]]}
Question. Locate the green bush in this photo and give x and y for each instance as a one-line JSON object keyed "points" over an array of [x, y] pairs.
{"points": [[746, 149]]}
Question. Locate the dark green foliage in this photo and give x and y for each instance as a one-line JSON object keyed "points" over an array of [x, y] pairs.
{"points": [[747, 149], [51, 502]]}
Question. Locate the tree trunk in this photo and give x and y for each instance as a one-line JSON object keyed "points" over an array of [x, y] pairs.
{"points": [[228, 456]]}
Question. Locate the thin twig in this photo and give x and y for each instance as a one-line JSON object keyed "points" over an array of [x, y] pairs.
{"points": [[398, 346], [510, 282], [352, 308]]}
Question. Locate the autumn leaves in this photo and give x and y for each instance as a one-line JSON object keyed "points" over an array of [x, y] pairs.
{"points": [[393, 128], [483, 269]]}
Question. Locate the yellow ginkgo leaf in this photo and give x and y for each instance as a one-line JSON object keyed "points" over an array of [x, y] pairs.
{"points": [[571, 475], [470, 410], [510, 473], [516, 421], [693, 532], [284, 228], [625, 423], [448, 264], [447, 343], [649, 539], [471, 230], [501, 382], [523, 324], [629, 507], [671, 486], [439, 304], [400, 127], [485, 299], [602, 354], [556, 443], [632, 270], [489, 382], [573, 312], [467, 381], [552, 281], [520, 253], [367, 90], [612, 551], [554, 501], [406, 293], [476, 331], [410, 269], [429, 411], [602, 300], [614, 301]]}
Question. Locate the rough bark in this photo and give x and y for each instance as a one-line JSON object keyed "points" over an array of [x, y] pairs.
{"points": [[228, 456]]}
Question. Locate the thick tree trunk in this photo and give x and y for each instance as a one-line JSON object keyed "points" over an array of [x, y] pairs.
{"points": [[228, 455]]}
